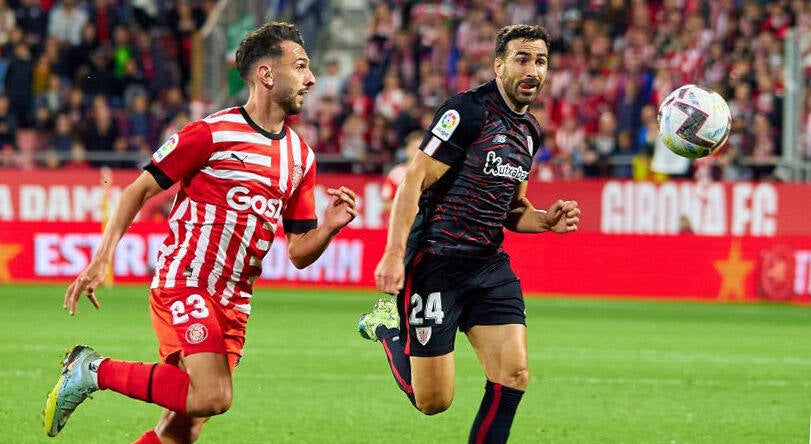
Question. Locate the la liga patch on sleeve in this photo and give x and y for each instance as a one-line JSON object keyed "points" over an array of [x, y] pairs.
{"points": [[166, 148], [446, 125]]}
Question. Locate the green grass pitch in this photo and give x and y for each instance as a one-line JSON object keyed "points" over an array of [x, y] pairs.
{"points": [[603, 371]]}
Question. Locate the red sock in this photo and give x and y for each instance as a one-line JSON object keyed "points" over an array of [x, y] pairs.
{"points": [[149, 437], [161, 384]]}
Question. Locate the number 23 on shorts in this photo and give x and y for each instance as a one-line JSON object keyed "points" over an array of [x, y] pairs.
{"points": [[195, 305], [433, 309]]}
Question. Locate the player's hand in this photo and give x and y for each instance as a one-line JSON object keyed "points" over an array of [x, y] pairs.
{"points": [[390, 273], [341, 209], [86, 284], [563, 217]]}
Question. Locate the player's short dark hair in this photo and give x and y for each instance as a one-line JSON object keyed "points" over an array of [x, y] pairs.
{"points": [[527, 32], [265, 41]]}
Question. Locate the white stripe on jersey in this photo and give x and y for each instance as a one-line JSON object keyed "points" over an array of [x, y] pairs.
{"points": [[245, 308], [241, 156], [431, 146], [283, 164], [164, 250], [239, 260], [262, 245], [236, 175], [227, 117], [171, 273], [310, 160], [239, 136], [295, 143], [222, 249], [202, 245]]}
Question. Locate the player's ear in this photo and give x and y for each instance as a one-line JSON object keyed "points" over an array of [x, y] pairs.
{"points": [[264, 74], [497, 64]]}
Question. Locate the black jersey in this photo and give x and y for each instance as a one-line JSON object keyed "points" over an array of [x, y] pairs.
{"points": [[489, 149]]}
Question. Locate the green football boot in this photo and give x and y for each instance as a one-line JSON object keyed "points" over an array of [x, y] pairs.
{"points": [[383, 313], [76, 382]]}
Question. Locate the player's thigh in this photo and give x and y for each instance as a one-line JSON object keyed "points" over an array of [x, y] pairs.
{"points": [[502, 351], [430, 305], [495, 324], [432, 379]]}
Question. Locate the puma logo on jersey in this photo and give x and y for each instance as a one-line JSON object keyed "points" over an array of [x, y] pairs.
{"points": [[240, 159], [495, 166]]}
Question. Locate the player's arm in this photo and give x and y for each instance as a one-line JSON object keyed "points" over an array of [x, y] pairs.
{"points": [[132, 200], [183, 154], [561, 217], [306, 247], [422, 172]]}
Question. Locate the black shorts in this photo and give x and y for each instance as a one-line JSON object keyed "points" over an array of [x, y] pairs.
{"points": [[443, 293]]}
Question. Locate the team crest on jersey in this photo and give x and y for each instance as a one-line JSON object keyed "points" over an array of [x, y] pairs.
{"points": [[446, 125], [166, 148], [196, 333], [423, 334], [296, 176]]}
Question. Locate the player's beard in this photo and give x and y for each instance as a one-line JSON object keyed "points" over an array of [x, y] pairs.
{"points": [[289, 102], [516, 94]]}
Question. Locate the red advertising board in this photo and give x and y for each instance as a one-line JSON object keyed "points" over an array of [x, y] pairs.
{"points": [[722, 268], [747, 241]]}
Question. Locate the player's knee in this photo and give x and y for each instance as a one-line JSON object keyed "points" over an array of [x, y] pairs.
{"points": [[433, 405], [212, 402], [517, 378]]}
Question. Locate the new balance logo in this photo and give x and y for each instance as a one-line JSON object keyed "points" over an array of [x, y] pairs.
{"points": [[495, 166], [500, 138]]}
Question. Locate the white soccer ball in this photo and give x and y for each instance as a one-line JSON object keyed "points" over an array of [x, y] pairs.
{"points": [[693, 121]]}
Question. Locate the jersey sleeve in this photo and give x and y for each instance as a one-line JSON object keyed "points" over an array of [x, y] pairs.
{"points": [[456, 125], [182, 155], [299, 214]]}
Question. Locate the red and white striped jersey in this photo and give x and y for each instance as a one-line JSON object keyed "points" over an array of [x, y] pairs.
{"points": [[237, 182]]}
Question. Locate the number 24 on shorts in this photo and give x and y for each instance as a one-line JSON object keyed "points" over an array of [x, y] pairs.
{"points": [[196, 302], [433, 309]]}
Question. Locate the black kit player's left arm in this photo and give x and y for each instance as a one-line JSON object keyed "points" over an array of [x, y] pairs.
{"points": [[561, 217]]}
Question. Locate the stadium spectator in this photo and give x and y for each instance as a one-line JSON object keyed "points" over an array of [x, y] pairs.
{"points": [[65, 22], [18, 84], [8, 22], [8, 123]]}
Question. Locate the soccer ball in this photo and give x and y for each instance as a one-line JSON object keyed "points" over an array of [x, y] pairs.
{"points": [[693, 121]]}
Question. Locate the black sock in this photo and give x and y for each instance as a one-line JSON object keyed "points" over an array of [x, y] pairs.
{"points": [[496, 413], [397, 359]]}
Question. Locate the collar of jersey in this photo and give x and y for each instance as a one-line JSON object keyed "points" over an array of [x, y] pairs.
{"points": [[261, 130]]}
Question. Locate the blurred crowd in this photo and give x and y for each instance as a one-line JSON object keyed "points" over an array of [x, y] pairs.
{"points": [[82, 78], [612, 61], [94, 82]]}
